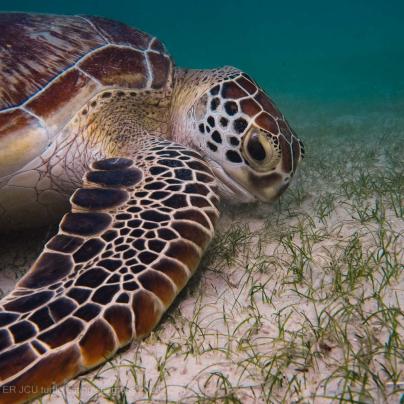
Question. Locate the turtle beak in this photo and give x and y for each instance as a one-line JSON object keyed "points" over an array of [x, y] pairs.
{"points": [[231, 188]]}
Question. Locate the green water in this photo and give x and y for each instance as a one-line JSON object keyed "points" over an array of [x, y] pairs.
{"points": [[319, 60]]}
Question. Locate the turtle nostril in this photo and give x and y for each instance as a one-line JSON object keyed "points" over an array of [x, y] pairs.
{"points": [[255, 148]]}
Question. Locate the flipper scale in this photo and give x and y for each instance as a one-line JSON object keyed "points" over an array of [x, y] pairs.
{"points": [[135, 234]]}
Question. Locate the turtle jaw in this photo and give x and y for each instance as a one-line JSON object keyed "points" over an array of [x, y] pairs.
{"points": [[244, 185], [231, 189], [264, 187]]}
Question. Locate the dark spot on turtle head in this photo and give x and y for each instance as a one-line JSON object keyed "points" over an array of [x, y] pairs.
{"points": [[234, 141], [214, 104], [212, 146], [201, 128], [216, 137], [215, 90], [231, 107], [233, 156], [211, 121], [240, 125], [224, 121]]}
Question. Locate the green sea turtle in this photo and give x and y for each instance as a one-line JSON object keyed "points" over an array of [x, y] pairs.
{"points": [[94, 110]]}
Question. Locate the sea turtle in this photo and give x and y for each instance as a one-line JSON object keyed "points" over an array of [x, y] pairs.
{"points": [[95, 110]]}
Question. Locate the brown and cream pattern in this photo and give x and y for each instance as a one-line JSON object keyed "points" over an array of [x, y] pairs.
{"points": [[134, 236], [157, 145]]}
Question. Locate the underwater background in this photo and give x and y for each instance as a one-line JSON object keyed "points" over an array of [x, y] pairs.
{"points": [[302, 300], [318, 60]]}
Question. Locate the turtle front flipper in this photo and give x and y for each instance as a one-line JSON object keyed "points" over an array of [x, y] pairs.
{"points": [[135, 234]]}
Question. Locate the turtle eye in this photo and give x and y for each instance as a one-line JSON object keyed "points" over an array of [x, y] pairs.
{"points": [[261, 150]]}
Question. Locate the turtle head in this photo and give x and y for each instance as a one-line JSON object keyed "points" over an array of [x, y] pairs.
{"points": [[238, 129]]}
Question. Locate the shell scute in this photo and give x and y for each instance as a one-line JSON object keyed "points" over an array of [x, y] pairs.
{"points": [[160, 65], [52, 65], [35, 48], [56, 102], [122, 67]]}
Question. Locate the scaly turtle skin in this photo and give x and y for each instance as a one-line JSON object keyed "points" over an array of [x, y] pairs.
{"points": [[94, 110]]}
